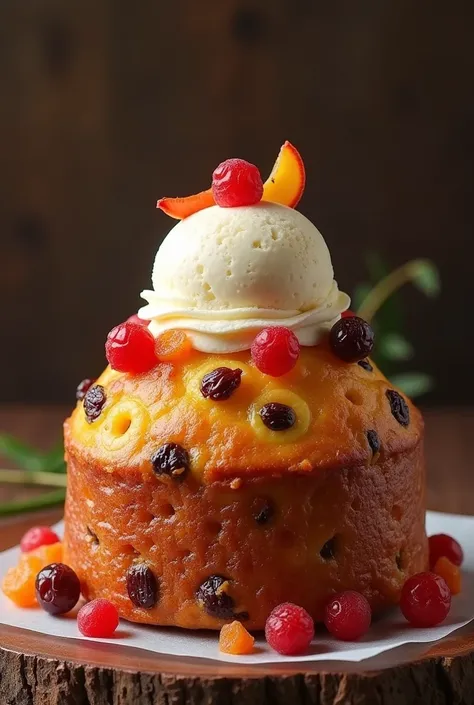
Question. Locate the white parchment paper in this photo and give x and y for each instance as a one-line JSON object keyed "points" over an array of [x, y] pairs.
{"points": [[385, 634]]}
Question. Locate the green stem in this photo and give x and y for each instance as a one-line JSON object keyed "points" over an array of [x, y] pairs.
{"points": [[385, 288], [44, 501], [28, 477]]}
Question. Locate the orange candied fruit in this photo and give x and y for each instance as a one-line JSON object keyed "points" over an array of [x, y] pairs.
{"points": [[172, 346], [19, 581], [450, 573], [235, 639]]}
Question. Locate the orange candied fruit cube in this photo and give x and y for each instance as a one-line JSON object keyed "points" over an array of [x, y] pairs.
{"points": [[19, 582], [235, 639], [52, 553], [450, 573], [172, 346]]}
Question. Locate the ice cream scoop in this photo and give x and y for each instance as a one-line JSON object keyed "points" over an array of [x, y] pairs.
{"points": [[223, 274]]}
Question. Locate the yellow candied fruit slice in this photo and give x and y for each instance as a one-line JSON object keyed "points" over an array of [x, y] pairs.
{"points": [[281, 396], [124, 424]]}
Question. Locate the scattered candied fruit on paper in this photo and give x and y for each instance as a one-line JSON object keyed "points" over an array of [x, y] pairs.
{"points": [[19, 581], [235, 639], [450, 573]]}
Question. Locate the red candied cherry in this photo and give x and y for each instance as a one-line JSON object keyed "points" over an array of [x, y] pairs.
{"points": [[130, 347], [135, 318], [236, 182], [442, 545], [425, 600], [38, 536], [347, 616], [275, 351], [347, 314], [289, 629], [98, 618]]}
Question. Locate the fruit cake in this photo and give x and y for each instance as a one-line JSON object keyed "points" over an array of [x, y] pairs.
{"points": [[241, 449]]}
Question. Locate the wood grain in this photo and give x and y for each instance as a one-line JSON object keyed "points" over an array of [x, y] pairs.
{"points": [[39, 670], [108, 105]]}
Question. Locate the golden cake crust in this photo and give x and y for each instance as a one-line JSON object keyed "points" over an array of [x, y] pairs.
{"points": [[336, 405]]}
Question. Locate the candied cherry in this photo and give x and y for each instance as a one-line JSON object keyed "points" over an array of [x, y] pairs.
{"points": [[130, 347], [289, 629], [425, 600], [57, 588], [236, 182], [173, 345], [444, 545], [347, 616], [38, 536], [351, 339], [275, 351], [98, 618], [135, 318]]}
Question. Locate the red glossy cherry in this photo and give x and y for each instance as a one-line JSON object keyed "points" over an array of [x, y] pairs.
{"points": [[289, 629], [348, 615], [425, 600], [236, 182], [130, 347], [444, 545], [98, 618], [275, 351]]}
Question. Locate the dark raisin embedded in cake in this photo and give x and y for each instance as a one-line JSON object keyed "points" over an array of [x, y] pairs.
{"points": [[398, 407], [171, 459], [365, 364], [328, 551], [351, 339], [94, 401], [142, 586], [220, 383], [213, 596], [277, 417], [262, 510], [374, 441], [83, 387]]}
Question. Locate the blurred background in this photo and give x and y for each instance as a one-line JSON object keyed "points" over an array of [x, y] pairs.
{"points": [[106, 106]]}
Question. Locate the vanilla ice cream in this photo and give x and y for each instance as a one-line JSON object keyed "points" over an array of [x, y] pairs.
{"points": [[223, 274]]}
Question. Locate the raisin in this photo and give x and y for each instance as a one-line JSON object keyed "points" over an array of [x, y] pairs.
{"points": [[277, 417], [263, 510], [171, 459], [351, 339], [83, 387], [399, 407], [142, 586], [213, 597], [374, 441], [365, 364], [328, 551], [220, 383], [94, 401]]}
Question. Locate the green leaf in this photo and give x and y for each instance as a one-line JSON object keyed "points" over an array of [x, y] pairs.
{"points": [[426, 277], [43, 501], [23, 455], [54, 459], [393, 346], [361, 292], [414, 384]]}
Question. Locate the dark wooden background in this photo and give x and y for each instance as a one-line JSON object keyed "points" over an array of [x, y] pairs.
{"points": [[106, 105]]}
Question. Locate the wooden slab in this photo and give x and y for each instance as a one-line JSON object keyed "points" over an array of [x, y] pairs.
{"points": [[37, 669]]}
